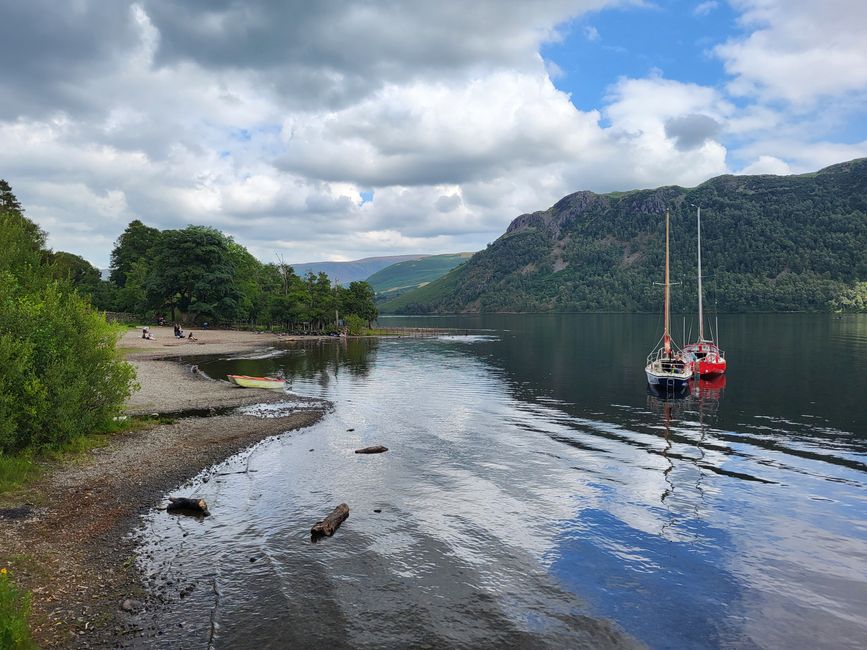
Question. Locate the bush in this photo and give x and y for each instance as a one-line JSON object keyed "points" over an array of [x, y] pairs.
{"points": [[14, 607], [60, 374], [355, 325]]}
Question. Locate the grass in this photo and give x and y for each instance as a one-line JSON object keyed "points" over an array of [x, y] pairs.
{"points": [[17, 471], [14, 608], [20, 470]]}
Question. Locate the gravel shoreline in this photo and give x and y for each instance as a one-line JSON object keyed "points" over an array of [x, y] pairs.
{"points": [[72, 547]]}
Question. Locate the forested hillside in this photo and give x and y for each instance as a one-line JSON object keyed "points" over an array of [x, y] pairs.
{"points": [[399, 278], [770, 243]]}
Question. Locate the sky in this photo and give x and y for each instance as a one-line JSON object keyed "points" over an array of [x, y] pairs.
{"points": [[336, 130]]}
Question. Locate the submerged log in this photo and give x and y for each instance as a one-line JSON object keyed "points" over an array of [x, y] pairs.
{"points": [[376, 449], [332, 522], [188, 506]]}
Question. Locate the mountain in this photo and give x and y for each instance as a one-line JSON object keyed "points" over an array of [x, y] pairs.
{"points": [[399, 278], [346, 272], [769, 243]]}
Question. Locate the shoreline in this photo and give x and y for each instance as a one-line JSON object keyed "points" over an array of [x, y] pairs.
{"points": [[73, 548]]}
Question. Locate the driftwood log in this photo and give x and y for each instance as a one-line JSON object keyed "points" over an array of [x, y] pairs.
{"points": [[376, 449], [332, 522], [186, 505]]}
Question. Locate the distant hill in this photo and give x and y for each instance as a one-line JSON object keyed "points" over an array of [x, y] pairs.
{"points": [[769, 243], [346, 272], [399, 278]]}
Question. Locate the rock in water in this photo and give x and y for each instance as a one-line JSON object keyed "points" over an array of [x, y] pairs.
{"points": [[376, 449]]}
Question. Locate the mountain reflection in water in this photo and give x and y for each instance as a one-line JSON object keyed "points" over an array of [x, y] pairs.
{"points": [[533, 486]]}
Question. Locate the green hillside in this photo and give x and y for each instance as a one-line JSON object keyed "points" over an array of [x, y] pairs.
{"points": [[353, 271], [399, 278], [770, 243]]}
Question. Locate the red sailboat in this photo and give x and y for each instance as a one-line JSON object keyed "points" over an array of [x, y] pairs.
{"points": [[710, 361]]}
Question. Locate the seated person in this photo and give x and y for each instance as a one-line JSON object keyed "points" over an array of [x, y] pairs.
{"points": [[146, 334], [191, 337]]}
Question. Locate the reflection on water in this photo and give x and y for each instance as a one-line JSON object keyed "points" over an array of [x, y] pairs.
{"points": [[534, 485]]}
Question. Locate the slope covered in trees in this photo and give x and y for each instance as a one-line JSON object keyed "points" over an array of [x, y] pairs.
{"points": [[399, 278], [770, 243]]}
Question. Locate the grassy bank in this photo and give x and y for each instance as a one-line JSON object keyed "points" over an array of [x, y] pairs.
{"points": [[14, 608]]}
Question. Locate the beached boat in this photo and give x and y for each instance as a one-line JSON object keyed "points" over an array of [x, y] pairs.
{"points": [[667, 367], [710, 361], [257, 382]]}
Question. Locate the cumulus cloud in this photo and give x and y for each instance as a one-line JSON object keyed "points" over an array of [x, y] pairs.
{"points": [[798, 50]]}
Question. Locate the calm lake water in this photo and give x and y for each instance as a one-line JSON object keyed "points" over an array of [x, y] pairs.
{"points": [[532, 487]]}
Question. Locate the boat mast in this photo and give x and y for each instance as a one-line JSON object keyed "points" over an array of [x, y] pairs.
{"points": [[666, 337], [700, 311]]}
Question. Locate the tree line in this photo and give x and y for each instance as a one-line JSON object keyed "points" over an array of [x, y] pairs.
{"points": [[198, 274]]}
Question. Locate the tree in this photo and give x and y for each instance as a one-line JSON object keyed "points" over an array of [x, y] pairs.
{"points": [[321, 300], [359, 299], [248, 279], [135, 243], [8, 202], [192, 270], [82, 274]]}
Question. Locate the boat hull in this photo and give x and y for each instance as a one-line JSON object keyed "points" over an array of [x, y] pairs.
{"points": [[709, 362], [665, 381], [257, 382], [711, 368]]}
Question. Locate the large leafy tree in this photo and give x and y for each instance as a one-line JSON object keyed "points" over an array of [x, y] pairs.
{"points": [[136, 243], [359, 299], [192, 270]]}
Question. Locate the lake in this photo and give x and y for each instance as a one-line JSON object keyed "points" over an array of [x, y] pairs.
{"points": [[533, 488]]}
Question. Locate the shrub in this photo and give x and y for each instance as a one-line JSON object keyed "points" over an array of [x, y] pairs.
{"points": [[355, 325], [60, 374]]}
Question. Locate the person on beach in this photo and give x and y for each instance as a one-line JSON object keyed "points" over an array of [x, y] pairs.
{"points": [[146, 333], [191, 337], [179, 334]]}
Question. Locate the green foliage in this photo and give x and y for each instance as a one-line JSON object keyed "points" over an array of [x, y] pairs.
{"points": [[193, 270], [60, 375], [135, 243], [80, 273], [14, 609], [851, 299], [769, 243], [358, 299], [355, 325], [200, 274]]}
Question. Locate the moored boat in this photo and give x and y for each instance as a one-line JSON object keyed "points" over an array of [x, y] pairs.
{"points": [[246, 381], [668, 368], [710, 361]]}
